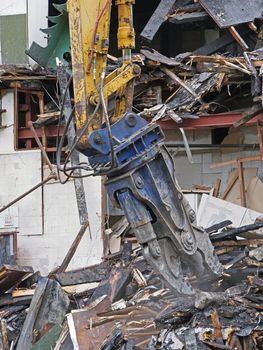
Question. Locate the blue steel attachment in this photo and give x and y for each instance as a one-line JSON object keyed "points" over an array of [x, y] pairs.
{"points": [[143, 184]]}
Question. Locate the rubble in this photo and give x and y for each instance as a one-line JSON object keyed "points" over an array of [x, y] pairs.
{"points": [[122, 303]]}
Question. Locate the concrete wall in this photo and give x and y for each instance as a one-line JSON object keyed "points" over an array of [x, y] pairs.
{"points": [[47, 219]]}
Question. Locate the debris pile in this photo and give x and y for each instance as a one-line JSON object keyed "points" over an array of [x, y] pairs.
{"points": [[122, 304], [221, 76], [200, 85]]}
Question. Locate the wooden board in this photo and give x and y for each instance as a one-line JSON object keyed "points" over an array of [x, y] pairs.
{"points": [[157, 19], [230, 13], [48, 308], [95, 273]]}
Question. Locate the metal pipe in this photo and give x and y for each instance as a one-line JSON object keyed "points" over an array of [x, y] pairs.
{"points": [[50, 177]]}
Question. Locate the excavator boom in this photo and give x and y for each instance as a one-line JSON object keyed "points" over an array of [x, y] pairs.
{"points": [[131, 152]]}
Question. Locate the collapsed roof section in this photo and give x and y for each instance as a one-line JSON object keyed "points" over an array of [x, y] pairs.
{"points": [[222, 76]]}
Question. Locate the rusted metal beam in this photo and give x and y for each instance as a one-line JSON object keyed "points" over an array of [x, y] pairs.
{"points": [[248, 115], [209, 121], [51, 131]]}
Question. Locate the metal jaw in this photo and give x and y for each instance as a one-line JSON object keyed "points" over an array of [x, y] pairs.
{"points": [[161, 220], [144, 186]]}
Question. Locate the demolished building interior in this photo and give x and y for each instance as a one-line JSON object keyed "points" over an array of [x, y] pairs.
{"points": [[201, 71]]}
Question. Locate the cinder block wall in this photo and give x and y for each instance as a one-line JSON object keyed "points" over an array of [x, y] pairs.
{"points": [[199, 172]]}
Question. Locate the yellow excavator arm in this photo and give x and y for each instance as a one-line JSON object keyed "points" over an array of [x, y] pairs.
{"points": [[90, 30]]}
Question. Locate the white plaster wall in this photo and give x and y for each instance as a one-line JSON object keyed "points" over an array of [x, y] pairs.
{"points": [[45, 247], [61, 225], [17, 175]]}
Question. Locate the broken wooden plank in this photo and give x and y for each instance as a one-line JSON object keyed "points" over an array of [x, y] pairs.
{"points": [[181, 83], [48, 308], [10, 275], [4, 342], [219, 226], [73, 248], [22, 293], [240, 172], [80, 288], [114, 286], [25, 341], [200, 84], [233, 162], [49, 115], [217, 187], [7, 299], [157, 19], [90, 274], [217, 326], [79, 322], [235, 232], [255, 79], [230, 185]]}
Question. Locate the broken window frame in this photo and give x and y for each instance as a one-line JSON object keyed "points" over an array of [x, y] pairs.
{"points": [[47, 133]]}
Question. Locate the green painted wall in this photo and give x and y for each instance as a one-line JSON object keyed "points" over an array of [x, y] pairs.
{"points": [[13, 37]]}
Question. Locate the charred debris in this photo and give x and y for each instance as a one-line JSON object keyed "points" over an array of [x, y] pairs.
{"points": [[121, 303]]}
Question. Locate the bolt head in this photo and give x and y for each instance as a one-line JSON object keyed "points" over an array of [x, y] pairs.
{"points": [[131, 120], [97, 139], [139, 182]]}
